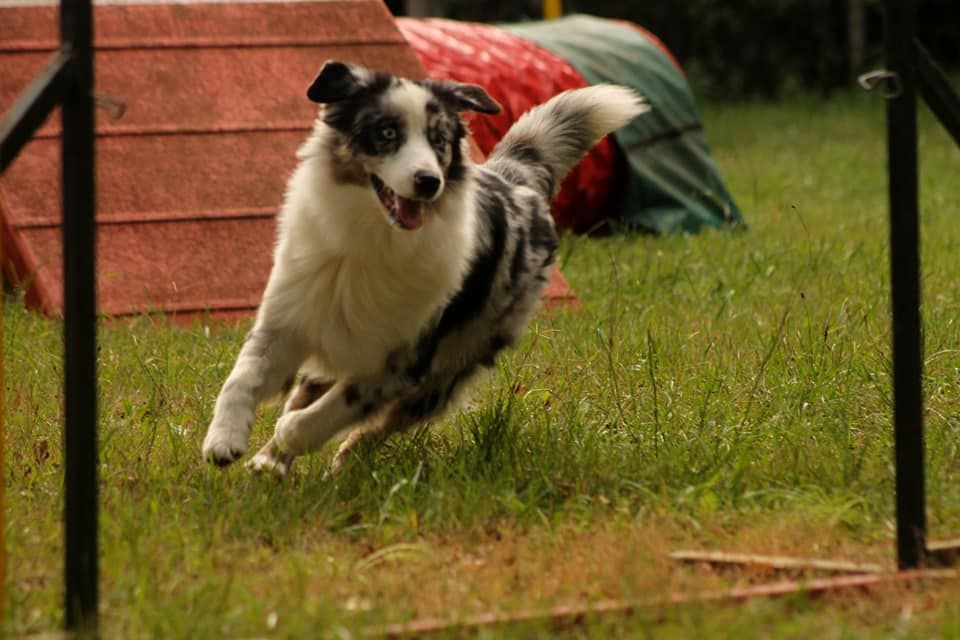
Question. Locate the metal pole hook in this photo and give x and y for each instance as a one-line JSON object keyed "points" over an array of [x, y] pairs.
{"points": [[114, 106], [872, 79]]}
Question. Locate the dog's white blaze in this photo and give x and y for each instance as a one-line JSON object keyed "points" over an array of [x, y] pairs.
{"points": [[416, 154]]}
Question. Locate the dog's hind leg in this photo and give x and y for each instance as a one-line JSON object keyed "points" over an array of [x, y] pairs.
{"points": [[396, 421], [270, 458], [429, 401], [267, 360]]}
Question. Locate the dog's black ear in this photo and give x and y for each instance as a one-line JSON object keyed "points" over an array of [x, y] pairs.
{"points": [[466, 97], [338, 81]]}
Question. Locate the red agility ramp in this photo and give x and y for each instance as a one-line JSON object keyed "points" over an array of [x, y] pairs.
{"points": [[190, 178]]}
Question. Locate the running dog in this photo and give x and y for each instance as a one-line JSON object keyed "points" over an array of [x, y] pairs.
{"points": [[401, 268]]}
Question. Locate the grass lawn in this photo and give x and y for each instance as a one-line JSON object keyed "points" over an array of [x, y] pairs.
{"points": [[728, 391]]}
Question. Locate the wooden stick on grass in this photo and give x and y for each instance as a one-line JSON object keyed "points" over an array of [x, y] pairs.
{"points": [[576, 613], [780, 563]]}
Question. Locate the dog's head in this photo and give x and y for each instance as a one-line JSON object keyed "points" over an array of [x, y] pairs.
{"points": [[402, 136]]}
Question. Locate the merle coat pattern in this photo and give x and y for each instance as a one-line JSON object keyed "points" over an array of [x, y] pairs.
{"points": [[401, 267]]}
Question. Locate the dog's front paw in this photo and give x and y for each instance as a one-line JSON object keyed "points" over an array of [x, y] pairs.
{"points": [[270, 460], [223, 447], [264, 463], [226, 441]]}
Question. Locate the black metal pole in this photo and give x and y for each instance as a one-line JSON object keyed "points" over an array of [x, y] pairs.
{"points": [[937, 92], [80, 322], [905, 285], [32, 107]]}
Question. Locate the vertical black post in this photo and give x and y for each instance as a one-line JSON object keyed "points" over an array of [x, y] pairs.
{"points": [[905, 284], [80, 323]]}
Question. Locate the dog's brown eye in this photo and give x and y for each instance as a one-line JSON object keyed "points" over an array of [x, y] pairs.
{"points": [[388, 133], [439, 140]]}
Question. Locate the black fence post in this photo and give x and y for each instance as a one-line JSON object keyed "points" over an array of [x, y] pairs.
{"points": [[80, 321], [937, 92], [905, 284]]}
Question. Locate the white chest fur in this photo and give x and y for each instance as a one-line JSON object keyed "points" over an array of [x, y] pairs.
{"points": [[350, 284]]}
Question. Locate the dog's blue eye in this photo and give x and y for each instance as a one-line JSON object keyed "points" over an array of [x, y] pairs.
{"points": [[439, 140], [388, 133]]}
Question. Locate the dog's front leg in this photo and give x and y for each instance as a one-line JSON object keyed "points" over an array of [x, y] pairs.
{"points": [[270, 457], [306, 430], [267, 360]]}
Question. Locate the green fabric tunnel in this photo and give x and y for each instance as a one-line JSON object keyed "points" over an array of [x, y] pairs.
{"points": [[673, 183]]}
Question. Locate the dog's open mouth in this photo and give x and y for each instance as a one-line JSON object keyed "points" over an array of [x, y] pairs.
{"points": [[405, 212]]}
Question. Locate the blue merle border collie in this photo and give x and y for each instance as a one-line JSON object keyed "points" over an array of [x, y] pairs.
{"points": [[401, 268]]}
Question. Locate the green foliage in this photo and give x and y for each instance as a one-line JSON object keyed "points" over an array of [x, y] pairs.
{"points": [[755, 47], [748, 46]]}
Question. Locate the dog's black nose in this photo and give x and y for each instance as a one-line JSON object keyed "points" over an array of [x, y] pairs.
{"points": [[426, 184]]}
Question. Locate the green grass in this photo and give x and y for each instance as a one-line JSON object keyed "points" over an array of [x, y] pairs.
{"points": [[723, 391]]}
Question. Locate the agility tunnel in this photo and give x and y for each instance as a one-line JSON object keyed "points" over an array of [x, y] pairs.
{"points": [[189, 179]]}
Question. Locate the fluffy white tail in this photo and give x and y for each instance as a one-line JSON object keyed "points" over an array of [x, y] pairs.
{"points": [[547, 141]]}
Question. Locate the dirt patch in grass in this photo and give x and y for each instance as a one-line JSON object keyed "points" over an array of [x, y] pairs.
{"points": [[507, 570]]}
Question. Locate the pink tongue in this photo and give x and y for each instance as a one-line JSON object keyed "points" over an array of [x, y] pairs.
{"points": [[410, 213]]}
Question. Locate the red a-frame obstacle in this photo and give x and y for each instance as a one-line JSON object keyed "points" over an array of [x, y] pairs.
{"points": [[190, 178]]}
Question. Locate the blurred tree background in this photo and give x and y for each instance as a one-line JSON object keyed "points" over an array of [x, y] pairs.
{"points": [[738, 48]]}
